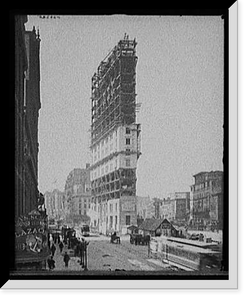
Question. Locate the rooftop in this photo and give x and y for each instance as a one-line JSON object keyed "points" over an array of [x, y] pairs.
{"points": [[152, 224]]}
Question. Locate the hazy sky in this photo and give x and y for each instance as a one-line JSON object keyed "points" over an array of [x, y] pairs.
{"points": [[179, 83]]}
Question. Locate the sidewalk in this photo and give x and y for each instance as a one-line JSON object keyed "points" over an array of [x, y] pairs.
{"points": [[73, 264]]}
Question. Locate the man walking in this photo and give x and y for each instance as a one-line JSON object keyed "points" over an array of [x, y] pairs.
{"points": [[51, 263], [66, 259], [53, 248], [61, 246]]}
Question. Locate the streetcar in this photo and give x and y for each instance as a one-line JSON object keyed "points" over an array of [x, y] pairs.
{"points": [[187, 257]]}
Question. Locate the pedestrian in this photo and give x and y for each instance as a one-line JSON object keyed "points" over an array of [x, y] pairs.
{"points": [[52, 263], [53, 248], [49, 261], [50, 239], [78, 248], [66, 259], [61, 246]]}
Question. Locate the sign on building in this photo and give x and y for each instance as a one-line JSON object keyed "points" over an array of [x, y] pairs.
{"points": [[31, 238]]}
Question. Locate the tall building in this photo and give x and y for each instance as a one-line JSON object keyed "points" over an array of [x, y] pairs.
{"points": [[207, 206], [27, 105], [115, 139], [78, 195], [31, 108], [21, 65], [31, 248]]}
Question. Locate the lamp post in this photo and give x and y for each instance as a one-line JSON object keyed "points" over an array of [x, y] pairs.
{"points": [[85, 252], [81, 253]]}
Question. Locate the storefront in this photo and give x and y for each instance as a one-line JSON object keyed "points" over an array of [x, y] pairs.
{"points": [[31, 241]]}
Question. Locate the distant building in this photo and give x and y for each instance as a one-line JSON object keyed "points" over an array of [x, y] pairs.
{"points": [[145, 207], [176, 207], [157, 206], [78, 194], [207, 206], [168, 209], [149, 208], [55, 203]]}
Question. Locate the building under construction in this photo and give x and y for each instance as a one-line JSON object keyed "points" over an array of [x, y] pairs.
{"points": [[115, 140]]}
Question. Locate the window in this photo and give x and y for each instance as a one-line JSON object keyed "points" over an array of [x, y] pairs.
{"points": [[127, 220], [127, 130], [128, 162], [127, 151], [128, 141]]}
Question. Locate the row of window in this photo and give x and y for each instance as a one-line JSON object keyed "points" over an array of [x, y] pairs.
{"points": [[85, 206], [113, 165], [202, 185], [111, 206], [110, 139], [127, 220]]}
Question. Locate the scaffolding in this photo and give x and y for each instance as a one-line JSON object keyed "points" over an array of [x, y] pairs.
{"points": [[113, 90], [113, 101]]}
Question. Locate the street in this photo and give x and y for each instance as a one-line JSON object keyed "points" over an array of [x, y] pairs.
{"points": [[105, 256]]}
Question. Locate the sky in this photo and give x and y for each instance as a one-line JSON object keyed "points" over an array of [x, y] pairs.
{"points": [[179, 83]]}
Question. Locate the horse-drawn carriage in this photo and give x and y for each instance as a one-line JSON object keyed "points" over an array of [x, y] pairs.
{"points": [[139, 239], [115, 238]]}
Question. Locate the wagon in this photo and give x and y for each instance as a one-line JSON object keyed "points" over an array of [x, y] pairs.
{"points": [[115, 239]]}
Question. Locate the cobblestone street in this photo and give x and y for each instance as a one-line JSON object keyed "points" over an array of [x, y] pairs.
{"points": [[104, 256]]}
